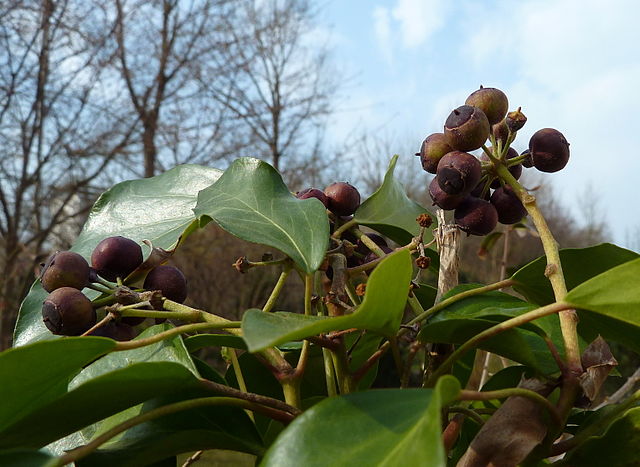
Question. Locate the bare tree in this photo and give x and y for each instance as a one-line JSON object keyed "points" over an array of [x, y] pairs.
{"points": [[161, 48], [57, 131], [280, 86]]}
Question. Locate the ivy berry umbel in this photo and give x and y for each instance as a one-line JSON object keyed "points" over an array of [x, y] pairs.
{"points": [[472, 185], [67, 311]]}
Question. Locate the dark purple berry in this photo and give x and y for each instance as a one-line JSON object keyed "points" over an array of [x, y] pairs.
{"points": [[466, 128], [549, 150], [313, 193], [116, 257], [434, 147], [476, 216], [493, 102], [65, 269], [458, 173], [441, 199], [68, 312], [169, 280], [527, 161], [343, 197], [510, 209], [480, 189]]}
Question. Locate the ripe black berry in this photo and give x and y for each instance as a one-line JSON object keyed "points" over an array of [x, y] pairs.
{"points": [[169, 280], [65, 269], [313, 193], [493, 102], [510, 209], [476, 216], [67, 312], [458, 173], [549, 150], [441, 199], [466, 128], [116, 257], [343, 197], [433, 148]]}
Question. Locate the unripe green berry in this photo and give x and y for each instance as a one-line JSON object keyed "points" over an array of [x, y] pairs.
{"points": [[434, 147]]}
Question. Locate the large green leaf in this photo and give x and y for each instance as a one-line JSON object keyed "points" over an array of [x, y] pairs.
{"points": [[464, 319], [159, 209], [94, 400], [251, 201], [380, 311], [24, 458], [618, 447], [609, 304], [168, 350], [191, 430], [391, 427], [34, 376], [390, 211], [578, 265]]}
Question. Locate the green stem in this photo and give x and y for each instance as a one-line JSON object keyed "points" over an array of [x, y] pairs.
{"points": [[275, 293], [395, 350], [462, 295], [99, 288], [239, 377], [272, 356], [308, 293], [415, 304], [109, 300], [135, 344], [83, 451], [364, 238], [512, 392], [344, 227], [469, 413], [341, 367], [291, 390], [351, 292], [493, 331], [329, 373]]}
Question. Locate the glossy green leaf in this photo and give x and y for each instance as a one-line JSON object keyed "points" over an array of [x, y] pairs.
{"points": [[618, 447], [216, 427], [34, 376], [199, 341], [390, 427], [159, 209], [381, 310], [25, 458], [609, 304], [578, 265], [464, 319], [167, 350], [94, 400], [390, 211], [251, 201]]}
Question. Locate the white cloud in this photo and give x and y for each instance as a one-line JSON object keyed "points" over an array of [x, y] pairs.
{"points": [[382, 30], [418, 20]]}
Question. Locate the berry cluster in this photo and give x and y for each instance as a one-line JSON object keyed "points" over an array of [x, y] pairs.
{"points": [[67, 311], [463, 182]]}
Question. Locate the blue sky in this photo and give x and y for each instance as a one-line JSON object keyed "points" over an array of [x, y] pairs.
{"points": [[572, 65]]}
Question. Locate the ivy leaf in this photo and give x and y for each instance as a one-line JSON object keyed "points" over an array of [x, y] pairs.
{"points": [[578, 264], [390, 211], [380, 311], [609, 304], [391, 427], [252, 202]]}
